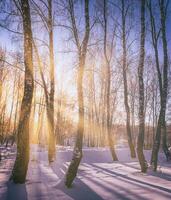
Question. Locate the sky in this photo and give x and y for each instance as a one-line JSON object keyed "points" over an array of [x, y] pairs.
{"points": [[65, 63]]}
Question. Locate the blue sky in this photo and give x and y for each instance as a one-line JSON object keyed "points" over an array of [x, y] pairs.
{"points": [[65, 62]]}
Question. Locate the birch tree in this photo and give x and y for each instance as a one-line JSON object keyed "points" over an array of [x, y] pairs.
{"points": [[108, 84], [124, 12], [21, 163], [48, 22], [82, 51], [163, 83], [140, 141]]}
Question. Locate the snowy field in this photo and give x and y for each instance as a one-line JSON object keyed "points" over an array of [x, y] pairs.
{"points": [[98, 177]]}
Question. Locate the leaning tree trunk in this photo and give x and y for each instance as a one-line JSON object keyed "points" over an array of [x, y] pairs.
{"points": [[49, 99], [21, 163], [140, 141], [77, 154], [124, 66], [49, 96]]}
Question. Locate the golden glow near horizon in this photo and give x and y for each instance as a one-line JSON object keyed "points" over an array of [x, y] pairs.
{"points": [[65, 101]]}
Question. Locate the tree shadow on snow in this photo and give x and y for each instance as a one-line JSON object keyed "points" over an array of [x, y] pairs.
{"points": [[132, 165], [135, 181], [158, 174], [162, 175], [16, 191], [116, 191], [79, 191]]}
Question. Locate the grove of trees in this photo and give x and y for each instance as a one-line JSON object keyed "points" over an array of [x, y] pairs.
{"points": [[89, 73]]}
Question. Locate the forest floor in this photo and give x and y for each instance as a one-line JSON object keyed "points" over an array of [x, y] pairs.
{"points": [[98, 177]]}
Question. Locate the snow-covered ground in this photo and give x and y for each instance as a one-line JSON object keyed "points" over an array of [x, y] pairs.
{"points": [[98, 177]]}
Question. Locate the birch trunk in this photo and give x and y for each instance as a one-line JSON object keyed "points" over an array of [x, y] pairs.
{"points": [[21, 163], [140, 141]]}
